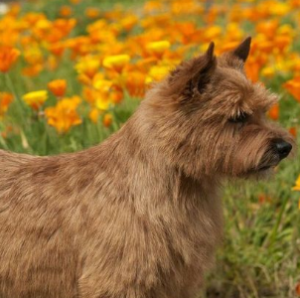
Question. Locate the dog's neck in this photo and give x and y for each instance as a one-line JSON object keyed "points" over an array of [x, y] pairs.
{"points": [[154, 181]]}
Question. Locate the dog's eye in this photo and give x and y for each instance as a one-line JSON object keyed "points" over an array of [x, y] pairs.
{"points": [[241, 118]]}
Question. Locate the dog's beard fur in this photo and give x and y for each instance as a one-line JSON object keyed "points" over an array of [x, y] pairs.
{"points": [[140, 215]]}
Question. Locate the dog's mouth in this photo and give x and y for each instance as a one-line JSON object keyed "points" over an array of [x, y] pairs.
{"points": [[267, 165], [265, 168], [262, 168], [277, 152]]}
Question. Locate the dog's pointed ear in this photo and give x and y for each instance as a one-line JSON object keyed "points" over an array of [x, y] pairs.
{"points": [[210, 51], [195, 73], [204, 75], [243, 50]]}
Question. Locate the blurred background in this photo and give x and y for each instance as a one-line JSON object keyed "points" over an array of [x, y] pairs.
{"points": [[73, 71]]}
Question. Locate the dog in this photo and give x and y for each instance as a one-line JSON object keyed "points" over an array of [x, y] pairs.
{"points": [[140, 215]]}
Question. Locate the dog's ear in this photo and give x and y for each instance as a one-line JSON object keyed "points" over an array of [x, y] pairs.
{"points": [[243, 50], [195, 73], [203, 77]]}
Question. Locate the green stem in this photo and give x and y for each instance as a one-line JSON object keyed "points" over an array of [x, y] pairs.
{"points": [[20, 109], [12, 89], [272, 237]]}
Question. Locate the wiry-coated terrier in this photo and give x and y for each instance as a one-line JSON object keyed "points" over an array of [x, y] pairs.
{"points": [[140, 215]]}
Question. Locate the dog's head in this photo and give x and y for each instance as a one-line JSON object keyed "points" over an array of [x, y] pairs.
{"points": [[210, 119]]}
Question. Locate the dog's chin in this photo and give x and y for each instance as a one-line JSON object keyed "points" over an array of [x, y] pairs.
{"points": [[265, 172], [262, 172], [265, 169]]}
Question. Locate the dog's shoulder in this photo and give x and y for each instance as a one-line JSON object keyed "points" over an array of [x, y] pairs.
{"points": [[10, 165], [12, 161]]}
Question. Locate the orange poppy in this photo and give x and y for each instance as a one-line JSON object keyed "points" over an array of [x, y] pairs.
{"points": [[58, 87], [293, 87], [274, 112], [8, 56], [107, 120]]}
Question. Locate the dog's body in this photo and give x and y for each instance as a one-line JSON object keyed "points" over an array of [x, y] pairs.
{"points": [[75, 225], [138, 216]]}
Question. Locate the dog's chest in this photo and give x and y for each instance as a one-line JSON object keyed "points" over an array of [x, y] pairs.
{"points": [[193, 236]]}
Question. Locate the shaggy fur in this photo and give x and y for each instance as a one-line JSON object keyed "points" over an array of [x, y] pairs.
{"points": [[140, 215]]}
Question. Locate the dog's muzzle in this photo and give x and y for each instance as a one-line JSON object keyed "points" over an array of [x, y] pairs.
{"points": [[278, 150], [282, 148]]}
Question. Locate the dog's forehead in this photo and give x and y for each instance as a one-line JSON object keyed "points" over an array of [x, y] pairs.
{"points": [[263, 98], [240, 91], [234, 80]]}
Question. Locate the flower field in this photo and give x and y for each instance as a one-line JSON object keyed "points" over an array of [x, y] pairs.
{"points": [[73, 71]]}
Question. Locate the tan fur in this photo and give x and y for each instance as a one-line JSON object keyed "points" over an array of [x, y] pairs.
{"points": [[140, 215]]}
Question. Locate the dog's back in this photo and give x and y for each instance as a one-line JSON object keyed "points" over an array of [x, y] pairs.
{"points": [[36, 257], [10, 163]]}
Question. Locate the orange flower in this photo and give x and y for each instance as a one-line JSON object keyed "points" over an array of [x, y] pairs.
{"points": [[92, 12], [7, 131], [158, 48], [136, 83], [117, 95], [51, 63], [274, 112], [107, 120], [65, 11], [33, 55], [297, 289], [8, 56], [157, 73], [252, 68], [94, 115], [32, 70], [262, 198], [211, 15], [117, 62], [282, 42], [14, 9], [212, 32], [293, 131], [151, 6], [293, 87], [58, 87], [64, 115], [90, 95], [101, 84], [128, 22], [268, 28], [88, 66], [64, 25], [57, 48], [5, 100]]}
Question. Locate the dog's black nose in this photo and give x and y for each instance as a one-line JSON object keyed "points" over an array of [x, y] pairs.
{"points": [[283, 148]]}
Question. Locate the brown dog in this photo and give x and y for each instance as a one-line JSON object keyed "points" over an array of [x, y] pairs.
{"points": [[140, 215]]}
